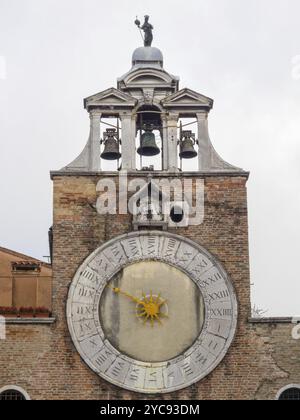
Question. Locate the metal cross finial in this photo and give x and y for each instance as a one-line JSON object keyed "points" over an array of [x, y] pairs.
{"points": [[148, 30]]}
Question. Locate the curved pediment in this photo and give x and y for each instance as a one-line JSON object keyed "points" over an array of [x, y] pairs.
{"points": [[148, 77]]}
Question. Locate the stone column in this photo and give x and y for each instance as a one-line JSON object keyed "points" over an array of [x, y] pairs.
{"points": [[165, 150], [128, 142], [172, 139], [205, 146], [94, 149], [133, 146]]}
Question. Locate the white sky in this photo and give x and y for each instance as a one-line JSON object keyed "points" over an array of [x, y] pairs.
{"points": [[53, 53]]}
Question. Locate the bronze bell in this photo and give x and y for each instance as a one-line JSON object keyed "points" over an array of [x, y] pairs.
{"points": [[187, 143], [111, 145], [148, 145]]}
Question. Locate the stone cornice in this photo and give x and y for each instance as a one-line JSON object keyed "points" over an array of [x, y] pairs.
{"points": [[155, 174], [274, 320], [30, 321]]}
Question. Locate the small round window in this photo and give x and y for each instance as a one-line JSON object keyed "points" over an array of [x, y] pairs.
{"points": [[177, 214]]}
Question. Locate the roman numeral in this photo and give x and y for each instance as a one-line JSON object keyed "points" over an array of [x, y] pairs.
{"points": [[151, 246], [84, 310], [201, 359], [134, 374], [187, 369], [117, 369], [216, 277], [213, 345], [223, 294], [117, 254], [186, 257], [84, 292], [93, 343], [170, 248], [210, 280], [85, 327], [200, 267], [133, 247], [103, 265], [153, 377], [103, 357], [88, 274], [221, 312]]}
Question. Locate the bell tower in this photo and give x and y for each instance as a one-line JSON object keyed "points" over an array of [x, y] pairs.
{"points": [[152, 117], [147, 263]]}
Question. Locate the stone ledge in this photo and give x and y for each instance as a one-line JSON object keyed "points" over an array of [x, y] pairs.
{"points": [[29, 321], [153, 174], [275, 320]]}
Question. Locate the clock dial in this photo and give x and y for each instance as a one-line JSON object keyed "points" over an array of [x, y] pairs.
{"points": [[170, 329], [152, 312]]}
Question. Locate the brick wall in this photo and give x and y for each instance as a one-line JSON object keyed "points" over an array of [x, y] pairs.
{"points": [[43, 360], [284, 351]]}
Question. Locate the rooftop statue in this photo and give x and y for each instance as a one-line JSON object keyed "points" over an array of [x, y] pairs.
{"points": [[147, 28]]}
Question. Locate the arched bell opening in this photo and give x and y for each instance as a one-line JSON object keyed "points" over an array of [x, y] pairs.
{"points": [[188, 144], [149, 138], [110, 141]]}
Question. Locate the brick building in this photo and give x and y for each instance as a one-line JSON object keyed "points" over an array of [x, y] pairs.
{"points": [[198, 263], [24, 281]]}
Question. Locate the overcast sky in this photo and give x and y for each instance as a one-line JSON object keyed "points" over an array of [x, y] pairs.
{"points": [[244, 54]]}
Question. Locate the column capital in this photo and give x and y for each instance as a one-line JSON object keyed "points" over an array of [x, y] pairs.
{"points": [[203, 115], [95, 114], [172, 116], [125, 115]]}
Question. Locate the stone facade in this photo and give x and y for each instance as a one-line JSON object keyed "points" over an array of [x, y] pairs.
{"points": [[42, 358]]}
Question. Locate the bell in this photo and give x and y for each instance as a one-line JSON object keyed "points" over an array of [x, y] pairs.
{"points": [[187, 150], [148, 144], [111, 146]]}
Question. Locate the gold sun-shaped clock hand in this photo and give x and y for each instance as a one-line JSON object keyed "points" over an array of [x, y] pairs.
{"points": [[150, 309], [118, 291]]}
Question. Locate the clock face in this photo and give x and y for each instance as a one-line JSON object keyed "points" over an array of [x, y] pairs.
{"points": [[176, 319], [152, 312]]}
